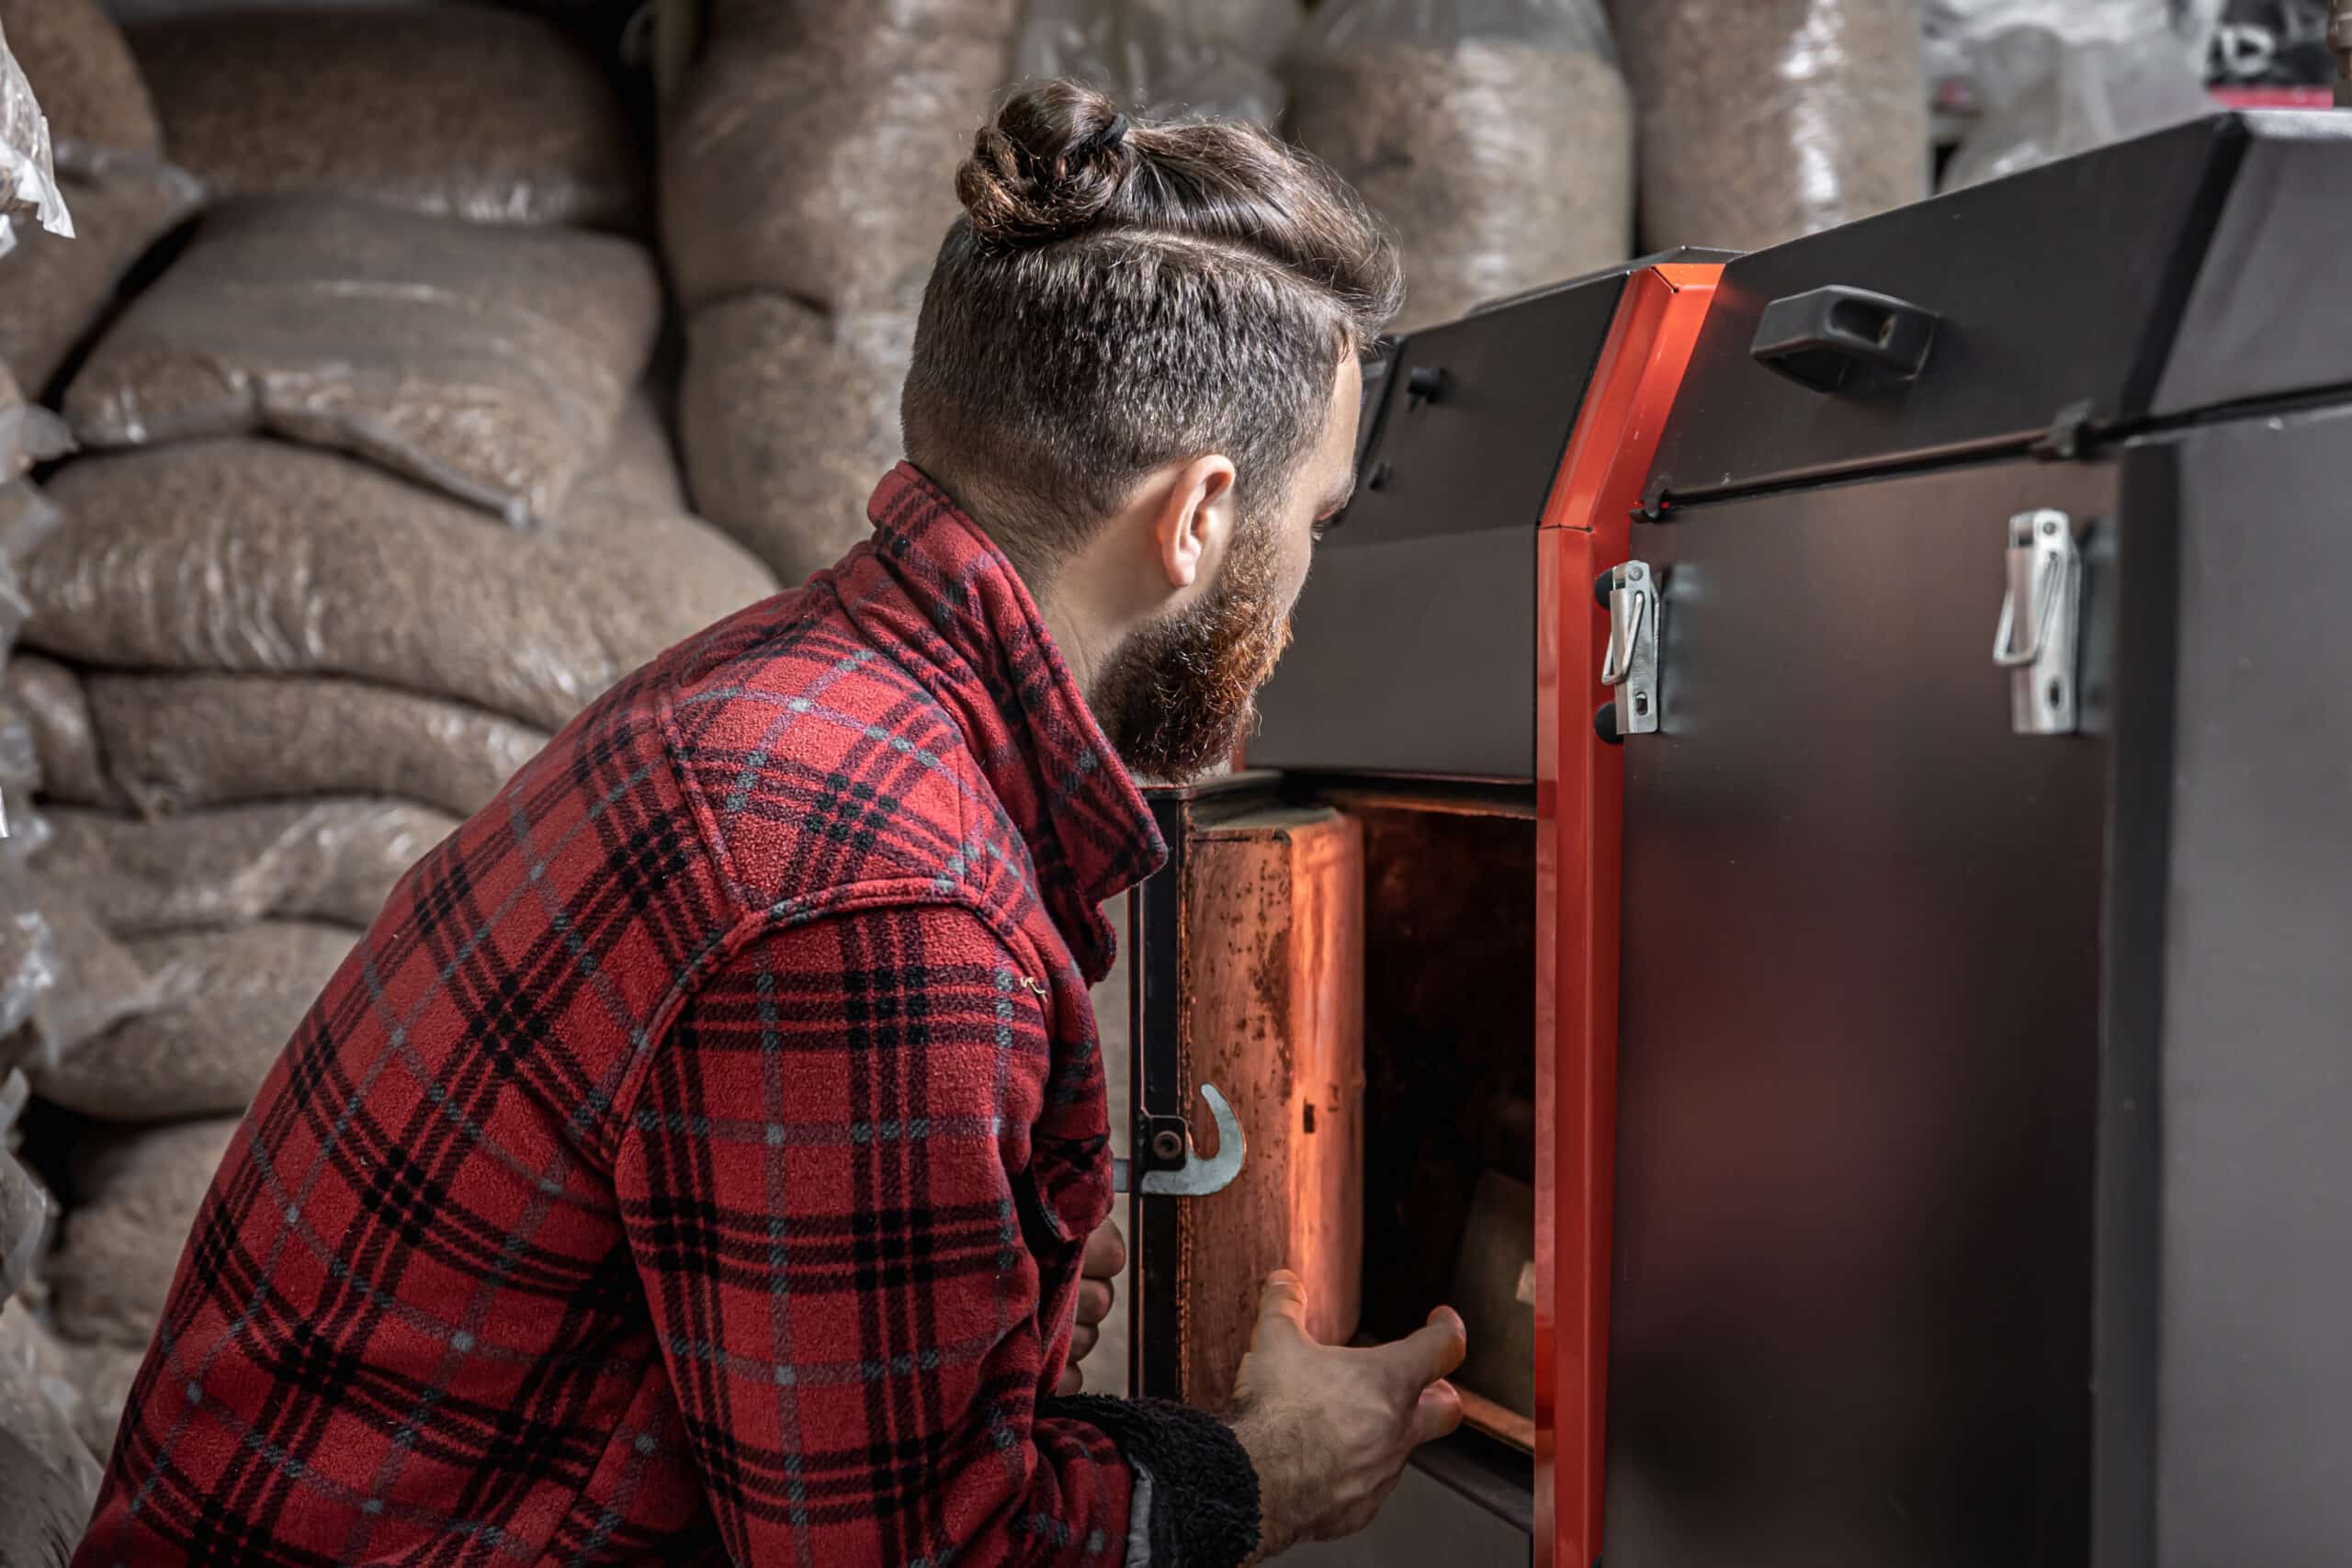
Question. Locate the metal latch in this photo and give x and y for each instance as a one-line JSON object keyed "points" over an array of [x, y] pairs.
{"points": [[1630, 592], [2041, 623], [1173, 1169]]}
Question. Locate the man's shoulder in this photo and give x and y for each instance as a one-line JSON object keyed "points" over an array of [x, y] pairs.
{"points": [[817, 762]]}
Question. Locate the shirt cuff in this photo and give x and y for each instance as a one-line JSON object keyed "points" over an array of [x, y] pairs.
{"points": [[1196, 1491]]}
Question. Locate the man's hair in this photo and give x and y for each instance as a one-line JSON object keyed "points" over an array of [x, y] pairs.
{"points": [[1118, 296]]}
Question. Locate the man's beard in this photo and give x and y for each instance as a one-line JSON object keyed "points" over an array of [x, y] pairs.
{"points": [[1178, 697]]}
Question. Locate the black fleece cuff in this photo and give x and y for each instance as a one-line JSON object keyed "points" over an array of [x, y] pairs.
{"points": [[1204, 1490]]}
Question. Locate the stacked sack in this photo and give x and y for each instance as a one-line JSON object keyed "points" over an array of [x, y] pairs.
{"points": [[806, 181], [372, 500], [1497, 140]]}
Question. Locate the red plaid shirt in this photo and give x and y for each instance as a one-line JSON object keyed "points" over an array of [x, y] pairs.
{"points": [[697, 1156]]}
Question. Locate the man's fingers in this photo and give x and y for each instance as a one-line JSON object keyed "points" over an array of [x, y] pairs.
{"points": [[1072, 1381], [1284, 1301], [1082, 1339], [1438, 1412], [1094, 1299], [1106, 1253], [1428, 1353]]}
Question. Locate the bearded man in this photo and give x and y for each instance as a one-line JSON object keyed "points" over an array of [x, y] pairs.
{"points": [[705, 1156]]}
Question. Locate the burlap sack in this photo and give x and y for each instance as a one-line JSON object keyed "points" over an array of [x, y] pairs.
{"points": [[47, 1505], [53, 290], [489, 363], [103, 1376], [227, 1002], [183, 743], [1497, 143], [821, 162], [332, 859], [642, 464], [258, 556], [38, 1398], [471, 114], [1742, 156], [50, 698], [789, 418], [82, 71], [99, 984], [139, 1192]]}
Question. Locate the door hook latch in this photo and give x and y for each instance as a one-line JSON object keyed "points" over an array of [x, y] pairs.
{"points": [[1172, 1167], [2041, 623], [1629, 594]]}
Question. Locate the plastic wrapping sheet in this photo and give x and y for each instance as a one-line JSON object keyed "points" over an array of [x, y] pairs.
{"points": [[28, 957], [53, 290], [1495, 138], [29, 189], [226, 1003], [80, 67], [1169, 59], [489, 363], [27, 520], [482, 115], [186, 743], [139, 1191], [332, 859], [789, 418], [820, 161], [261, 557], [30, 434], [2056, 77], [1762, 120], [49, 701]]}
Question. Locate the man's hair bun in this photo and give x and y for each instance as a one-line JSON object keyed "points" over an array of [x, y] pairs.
{"points": [[1051, 164]]}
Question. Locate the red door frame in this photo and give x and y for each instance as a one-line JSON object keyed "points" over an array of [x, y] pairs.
{"points": [[1579, 803]]}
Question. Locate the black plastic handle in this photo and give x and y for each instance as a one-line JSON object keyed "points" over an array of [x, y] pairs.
{"points": [[1843, 340]]}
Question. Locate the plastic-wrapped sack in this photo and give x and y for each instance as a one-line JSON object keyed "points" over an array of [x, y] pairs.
{"points": [[1168, 58], [27, 517], [2057, 77], [181, 743], [25, 1213], [53, 290], [332, 859], [820, 162], [77, 62], [260, 557], [488, 363], [139, 1193], [474, 114], [1762, 120], [47, 1510], [1495, 138], [226, 1003], [50, 700], [789, 419], [39, 1401], [99, 985], [103, 1376]]}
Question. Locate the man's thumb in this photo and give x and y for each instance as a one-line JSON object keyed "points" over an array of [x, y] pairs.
{"points": [[1284, 1301]]}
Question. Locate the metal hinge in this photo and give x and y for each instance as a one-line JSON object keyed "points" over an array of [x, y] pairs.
{"points": [[1172, 1167], [2041, 623], [1630, 664]]}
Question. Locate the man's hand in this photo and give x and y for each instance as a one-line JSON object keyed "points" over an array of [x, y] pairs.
{"points": [[1328, 1428], [1106, 1258]]}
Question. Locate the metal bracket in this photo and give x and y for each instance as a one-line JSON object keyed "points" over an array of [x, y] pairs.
{"points": [[2044, 606], [1172, 1167], [1631, 661]]}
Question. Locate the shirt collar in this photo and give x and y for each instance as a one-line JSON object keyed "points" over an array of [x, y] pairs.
{"points": [[1089, 831]]}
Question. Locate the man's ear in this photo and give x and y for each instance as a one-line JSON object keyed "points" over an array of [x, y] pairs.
{"points": [[1195, 520]]}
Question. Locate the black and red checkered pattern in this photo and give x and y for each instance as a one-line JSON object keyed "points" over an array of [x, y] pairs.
{"points": [[692, 1163]]}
